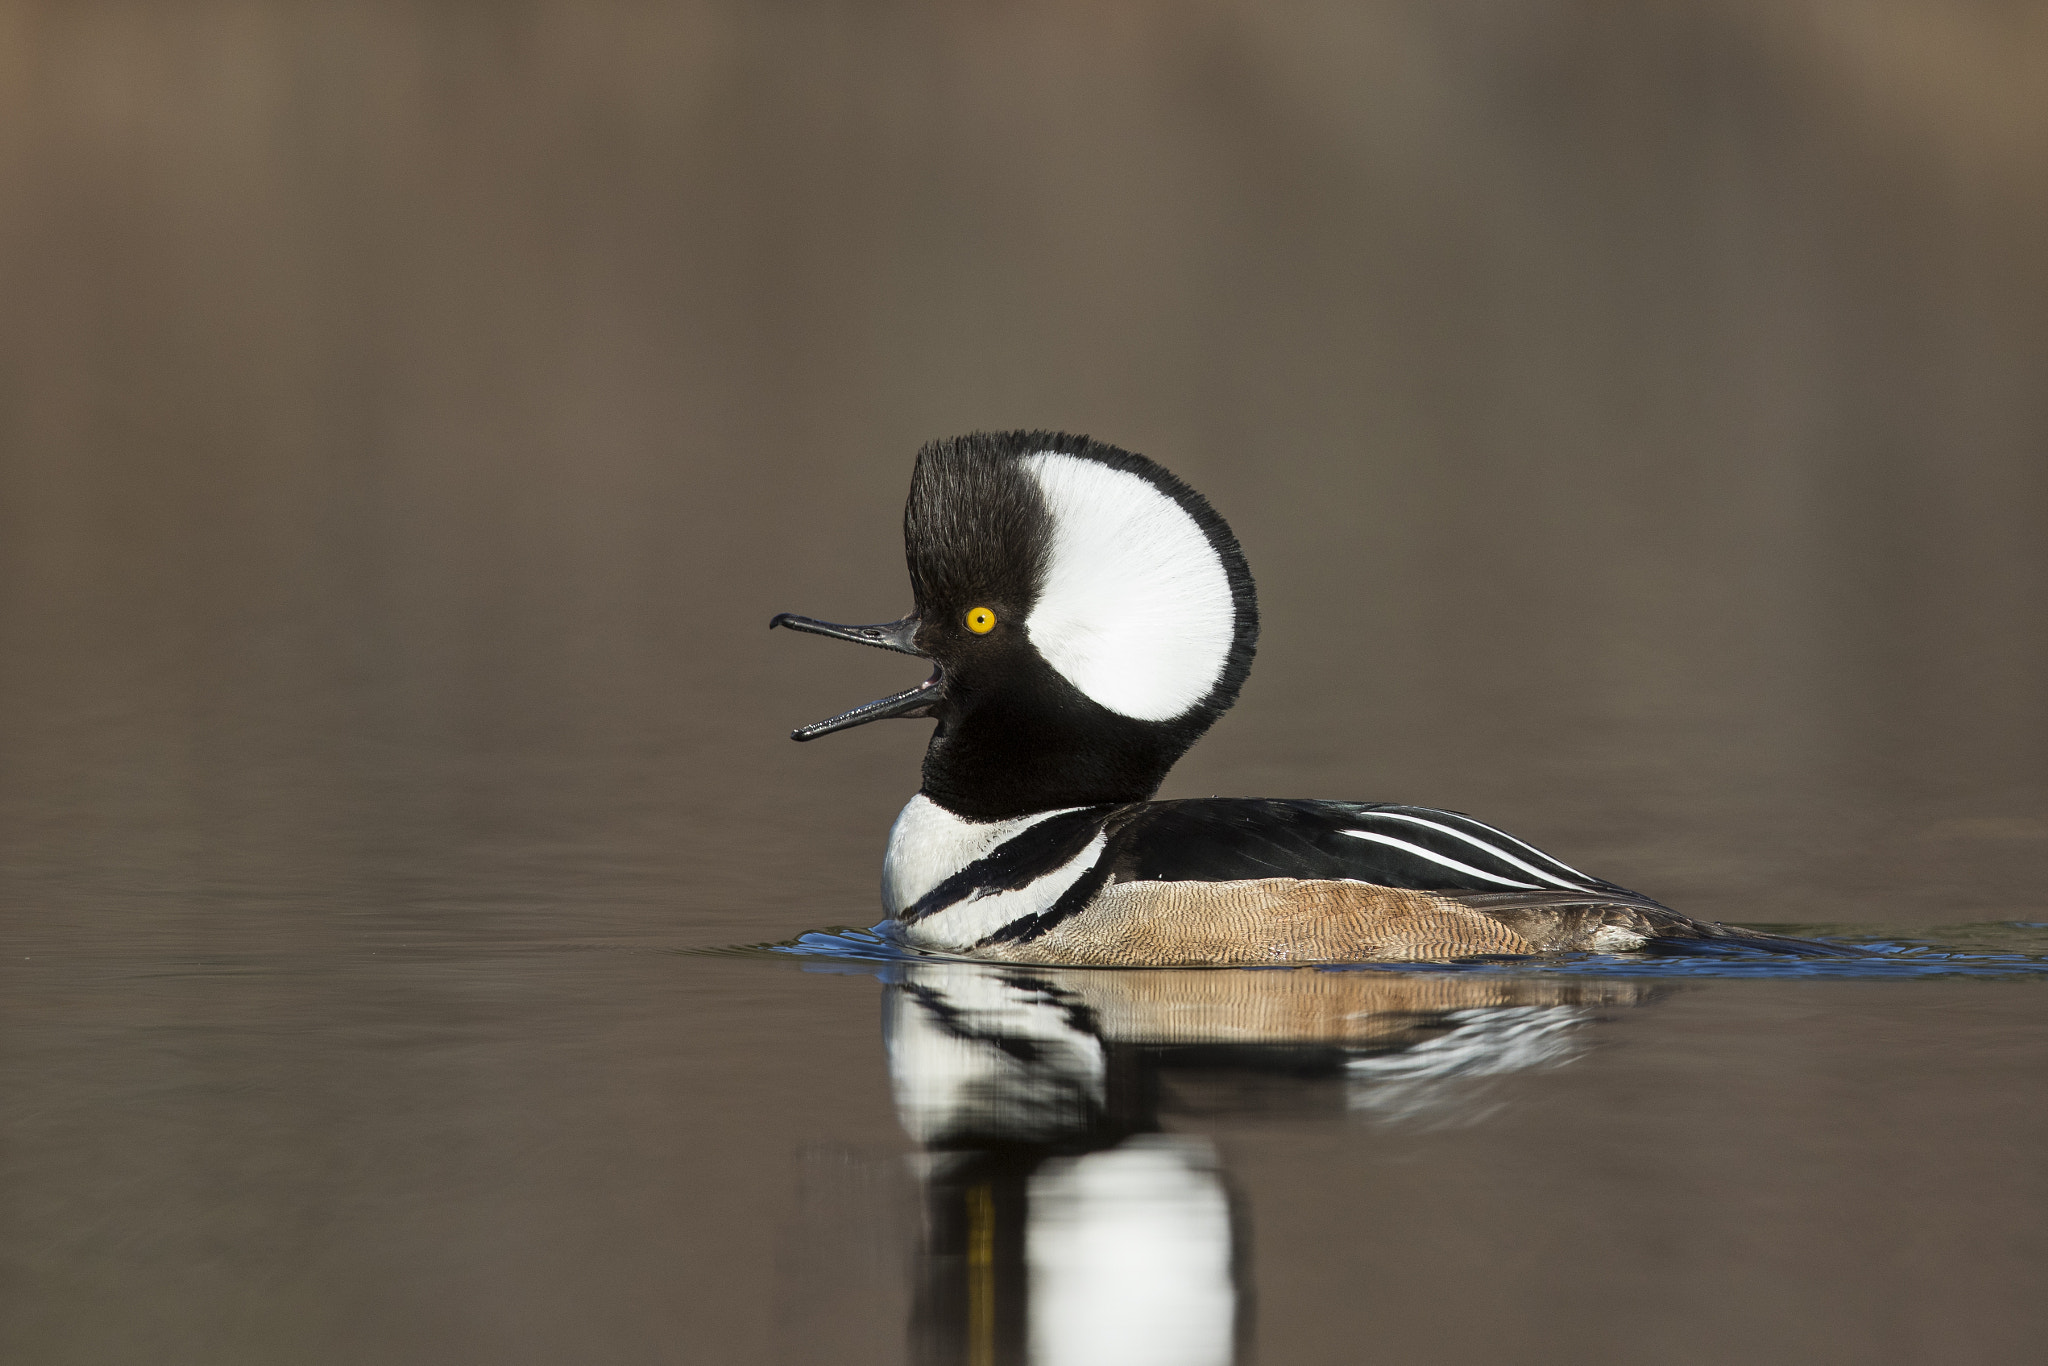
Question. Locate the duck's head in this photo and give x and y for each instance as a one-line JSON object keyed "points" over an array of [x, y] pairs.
{"points": [[1089, 615]]}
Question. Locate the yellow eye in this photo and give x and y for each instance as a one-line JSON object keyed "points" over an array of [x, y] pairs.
{"points": [[980, 620]]}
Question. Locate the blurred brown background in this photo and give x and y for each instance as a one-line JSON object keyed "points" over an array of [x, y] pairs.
{"points": [[1634, 415], [411, 413]]}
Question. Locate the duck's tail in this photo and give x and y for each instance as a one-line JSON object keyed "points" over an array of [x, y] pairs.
{"points": [[1623, 922]]}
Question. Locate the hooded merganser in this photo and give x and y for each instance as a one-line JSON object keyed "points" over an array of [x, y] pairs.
{"points": [[1090, 616]]}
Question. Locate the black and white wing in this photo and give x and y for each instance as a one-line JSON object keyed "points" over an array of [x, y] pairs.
{"points": [[1060, 865], [1219, 839], [1546, 901]]}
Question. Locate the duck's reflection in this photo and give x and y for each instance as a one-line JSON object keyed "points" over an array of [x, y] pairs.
{"points": [[1064, 1225]]}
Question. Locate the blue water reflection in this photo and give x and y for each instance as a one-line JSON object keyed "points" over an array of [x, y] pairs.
{"points": [[1998, 948]]}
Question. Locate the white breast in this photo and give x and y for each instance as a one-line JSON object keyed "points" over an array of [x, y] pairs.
{"points": [[979, 914], [928, 844]]}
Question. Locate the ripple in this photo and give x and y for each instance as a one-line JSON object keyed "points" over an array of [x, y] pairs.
{"points": [[1992, 949]]}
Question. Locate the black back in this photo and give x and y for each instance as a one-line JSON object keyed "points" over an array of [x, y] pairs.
{"points": [[1220, 839]]}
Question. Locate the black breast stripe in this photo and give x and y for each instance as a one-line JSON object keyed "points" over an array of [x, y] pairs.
{"points": [[1017, 862], [1026, 928], [1226, 839]]}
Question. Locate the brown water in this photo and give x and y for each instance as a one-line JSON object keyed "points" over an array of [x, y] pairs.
{"points": [[410, 415]]}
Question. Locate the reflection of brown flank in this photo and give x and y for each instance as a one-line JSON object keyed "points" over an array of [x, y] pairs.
{"points": [[1312, 1007], [1265, 921]]}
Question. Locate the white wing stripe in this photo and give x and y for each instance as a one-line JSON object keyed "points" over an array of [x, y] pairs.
{"points": [[1551, 858], [1450, 863], [1478, 843]]}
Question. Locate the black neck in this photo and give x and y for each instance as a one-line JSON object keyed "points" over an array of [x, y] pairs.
{"points": [[1046, 747]]}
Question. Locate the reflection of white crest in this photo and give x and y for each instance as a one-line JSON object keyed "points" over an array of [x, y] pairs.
{"points": [[1135, 609], [1129, 1253]]}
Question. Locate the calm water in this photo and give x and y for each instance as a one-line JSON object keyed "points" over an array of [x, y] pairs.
{"points": [[411, 414]]}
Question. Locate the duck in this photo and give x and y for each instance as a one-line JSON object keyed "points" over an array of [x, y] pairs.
{"points": [[1088, 617]]}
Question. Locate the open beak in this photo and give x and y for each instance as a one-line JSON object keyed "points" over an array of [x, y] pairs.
{"points": [[900, 636]]}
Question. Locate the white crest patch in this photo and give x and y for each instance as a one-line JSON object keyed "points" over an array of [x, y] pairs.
{"points": [[1136, 609]]}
